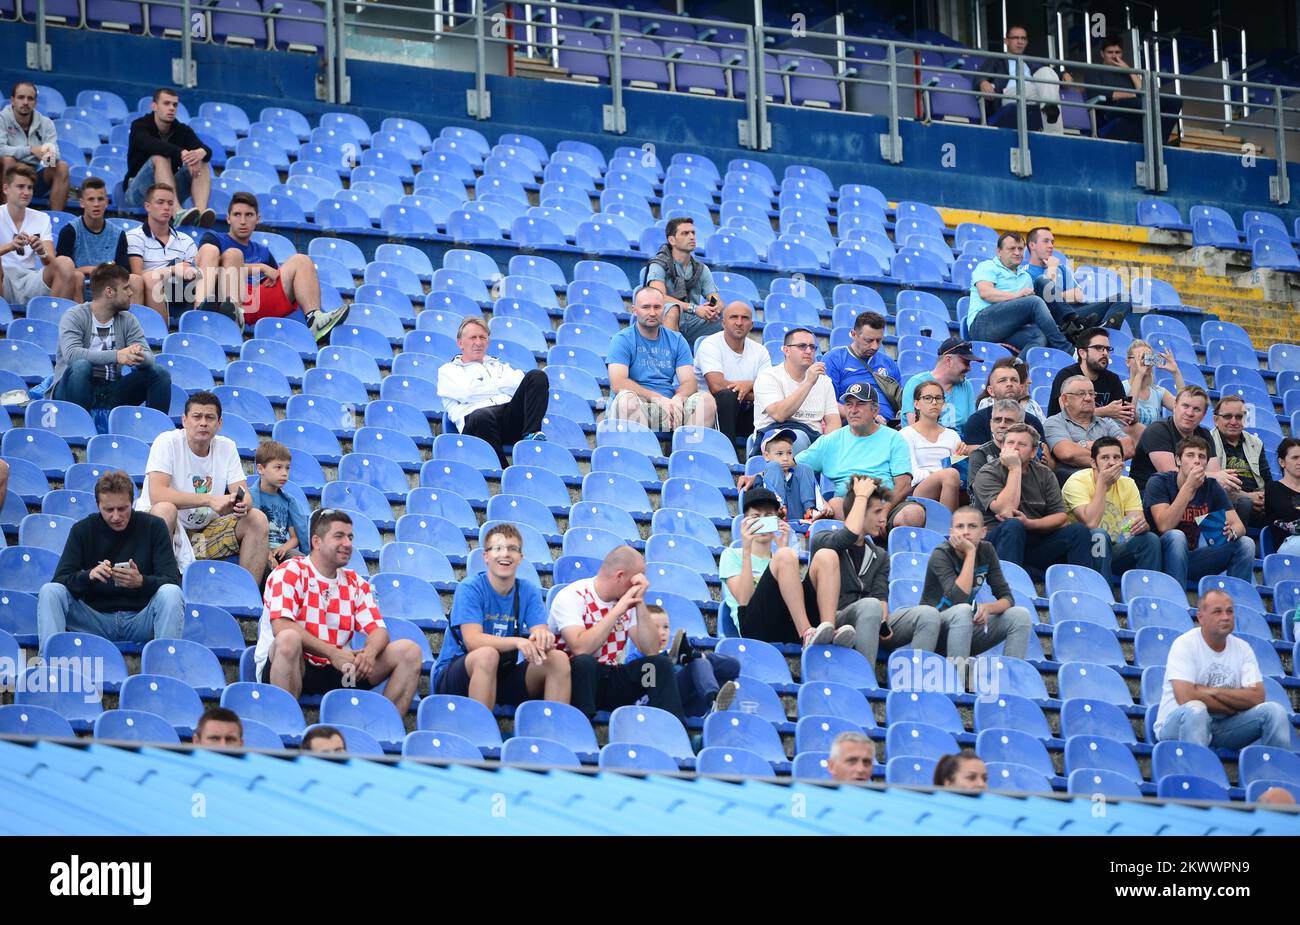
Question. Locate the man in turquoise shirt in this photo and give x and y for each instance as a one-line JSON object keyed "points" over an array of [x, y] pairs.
{"points": [[1003, 308], [950, 369], [864, 447]]}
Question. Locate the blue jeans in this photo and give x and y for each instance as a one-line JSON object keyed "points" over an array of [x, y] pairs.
{"points": [[149, 384], [699, 681], [1267, 724], [1062, 310], [58, 611], [1141, 551], [1236, 558], [1070, 544], [141, 182], [1023, 323]]}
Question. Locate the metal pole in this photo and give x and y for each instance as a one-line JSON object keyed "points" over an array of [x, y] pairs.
{"points": [[1178, 83], [345, 93], [1004, 25], [530, 31], [42, 60], [1283, 183], [616, 74], [331, 50], [758, 77], [1214, 42], [437, 15], [1061, 43], [895, 142], [187, 40], [555, 37], [978, 16], [1245, 91], [480, 61], [1157, 132], [751, 107], [1225, 67], [1087, 37], [1022, 125]]}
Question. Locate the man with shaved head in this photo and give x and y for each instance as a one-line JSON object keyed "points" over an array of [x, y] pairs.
{"points": [[593, 619], [1214, 692]]}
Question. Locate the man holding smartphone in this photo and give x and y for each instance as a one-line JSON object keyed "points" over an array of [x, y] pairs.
{"points": [[117, 577]]}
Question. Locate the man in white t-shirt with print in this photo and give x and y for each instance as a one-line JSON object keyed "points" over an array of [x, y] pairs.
{"points": [[729, 362], [194, 478], [27, 257], [796, 393], [1214, 692], [594, 618]]}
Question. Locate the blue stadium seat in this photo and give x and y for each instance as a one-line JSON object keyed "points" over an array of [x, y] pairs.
{"points": [[530, 750], [309, 437], [462, 478], [573, 568], [1085, 716], [94, 656], [248, 403], [113, 451], [67, 503], [524, 510], [681, 550], [1082, 607], [1011, 746], [761, 661], [44, 449], [1100, 753], [461, 716], [1191, 787], [1262, 763], [685, 523], [614, 488], [29, 719], [910, 771], [916, 669], [539, 483], [389, 444], [134, 726], [173, 700], [184, 660], [1242, 592], [837, 664], [1083, 641], [928, 707], [1151, 646], [268, 704], [617, 756], [1136, 583], [221, 584], [1017, 676], [1011, 711], [693, 495], [914, 539], [680, 579], [1091, 680], [557, 722], [919, 740], [1064, 577], [594, 542], [214, 628], [472, 451], [26, 568], [1016, 778], [731, 730], [817, 733], [652, 727], [1151, 611], [366, 710], [440, 746], [362, 498], [831, 698], [376, 471]]}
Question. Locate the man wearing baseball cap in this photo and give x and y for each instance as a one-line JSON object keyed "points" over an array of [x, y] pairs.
{"points": [[864, 447], [955, 356], [761, 585]]}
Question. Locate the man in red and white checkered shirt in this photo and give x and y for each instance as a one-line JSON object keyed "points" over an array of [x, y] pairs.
{"points": [[311, 608], [594, 618]]}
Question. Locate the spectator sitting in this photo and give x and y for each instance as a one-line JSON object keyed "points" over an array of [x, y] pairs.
{"points": [[1042, 86], [117, 576], [1276, 796], [240, 269], [1150, 401], [706, 681], [312, 606], [1213, 693], [1093, 352], [99, 342], [950, 369], [1055, 284], [162, 150], [652, 373], [27, 259], [195, 482], [762, 588], [965, 771], [1187, 506], [793, 482], [1021, 500], [323, 740], [1155, 449], [28, 136], [728, 362], [862, 360], [91, 240], [865, 448], [1007, 379], [219, 728], [691, 299], [1282, 499], [864, 579], [852, 758], [1106, 501], [498, 648], [595, 618], [1006, 411], [164, 256], [1003, 307], [1070, 434], [1126, 91], [1241, 459], [931, 444], [286, 519], [796, 393], [957, 570], [488, 398]]}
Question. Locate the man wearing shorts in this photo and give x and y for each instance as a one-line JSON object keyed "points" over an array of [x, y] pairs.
{"points": [[498, 648], [161, 149], [194, 479], [27, 257], [652, 372], [30, 137], [236, 267], [312, 606]]}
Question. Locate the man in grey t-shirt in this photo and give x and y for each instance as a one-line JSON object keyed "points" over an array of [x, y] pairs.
{"points": [[1071, 433], [691, 301]]}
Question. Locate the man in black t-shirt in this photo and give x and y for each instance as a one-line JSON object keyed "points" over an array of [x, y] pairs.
{"points": [[1241, 457], [1093, 350], [1155, 449], [1126, 90]]}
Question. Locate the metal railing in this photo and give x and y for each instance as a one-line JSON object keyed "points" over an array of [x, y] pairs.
{"points": [[869, 75]]}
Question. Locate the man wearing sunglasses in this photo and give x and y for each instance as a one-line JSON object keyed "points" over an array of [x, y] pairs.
{"points": [[1241, 458], [796, 393]]}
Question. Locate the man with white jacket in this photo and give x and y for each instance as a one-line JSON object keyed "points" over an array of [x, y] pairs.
{"points": [[488, 398]]}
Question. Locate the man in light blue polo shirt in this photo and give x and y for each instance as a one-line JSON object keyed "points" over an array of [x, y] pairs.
{"points": [[864, 447], [950, 369], [1003, 307]]}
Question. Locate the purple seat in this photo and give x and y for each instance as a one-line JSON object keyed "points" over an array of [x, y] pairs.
{"points": [[641, 72], [592, 64], [114, 14], [941, 104], [774, 87], [60, 11], [166, 21], [812, 81], [296, 35], [1075, 116], [238, 22]]}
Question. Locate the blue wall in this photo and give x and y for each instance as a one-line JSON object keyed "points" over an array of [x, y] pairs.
{"points": [[1073, 178]]}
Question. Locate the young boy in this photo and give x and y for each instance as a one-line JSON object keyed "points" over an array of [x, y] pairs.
{"points": [[698, 673], [954, 576], [286, 520], [794, 483]]}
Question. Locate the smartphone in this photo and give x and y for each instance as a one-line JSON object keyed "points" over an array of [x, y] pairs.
{"points": [[1126, 400], [239, 495], [122, 565], [768, 524], [1153, 359]]}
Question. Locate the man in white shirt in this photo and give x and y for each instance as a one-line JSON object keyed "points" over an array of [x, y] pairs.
{"points": [[1214, 693], [27, 259], [194, 479], [1044, 89], [594, 618], [488, 398], [796, 393], [729, 362], [164, 257]]}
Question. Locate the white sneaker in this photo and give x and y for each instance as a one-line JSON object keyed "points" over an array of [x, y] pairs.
{"points": [[844, 636], [726, 696], [822, 634], [322, 322]]}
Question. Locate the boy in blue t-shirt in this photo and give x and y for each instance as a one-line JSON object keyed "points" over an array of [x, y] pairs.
{"points": [[498, 648], [285, 516], [706, 681]]}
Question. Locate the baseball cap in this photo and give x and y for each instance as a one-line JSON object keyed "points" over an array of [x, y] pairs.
{"points": [[956, 347], [761, 496], [777, 432], [860, 391]]}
